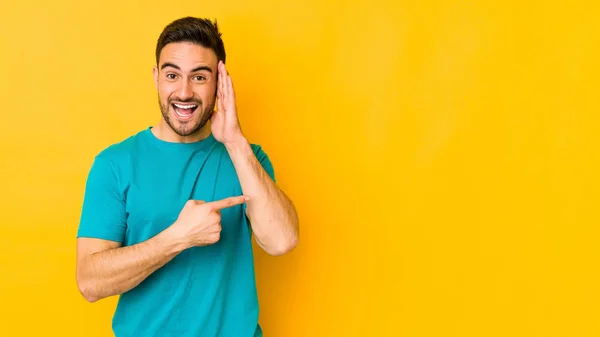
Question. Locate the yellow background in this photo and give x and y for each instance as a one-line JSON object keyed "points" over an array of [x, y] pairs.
{"points": [[443, 156]]}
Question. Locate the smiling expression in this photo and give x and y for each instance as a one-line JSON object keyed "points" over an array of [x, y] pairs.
{"points": [[186, 80]]}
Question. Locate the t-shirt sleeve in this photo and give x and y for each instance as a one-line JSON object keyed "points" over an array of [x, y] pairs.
{"points": [[103, 214]]}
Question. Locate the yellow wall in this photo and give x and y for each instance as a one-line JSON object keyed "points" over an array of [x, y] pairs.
{"points": [[443, 157]]}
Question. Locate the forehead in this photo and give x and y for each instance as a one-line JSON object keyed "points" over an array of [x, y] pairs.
{"points": [[187, 55]]}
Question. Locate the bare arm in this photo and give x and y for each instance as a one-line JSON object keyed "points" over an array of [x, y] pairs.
{"points": [[272, 214], [105, 269]]}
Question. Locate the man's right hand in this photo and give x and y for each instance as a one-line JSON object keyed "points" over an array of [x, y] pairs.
{"points": [[199, 222]]}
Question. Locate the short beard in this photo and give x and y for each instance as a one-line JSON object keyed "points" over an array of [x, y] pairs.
{"points": [[187, 131]]}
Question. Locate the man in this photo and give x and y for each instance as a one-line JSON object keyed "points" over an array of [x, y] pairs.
{"points": [[169, 212]]}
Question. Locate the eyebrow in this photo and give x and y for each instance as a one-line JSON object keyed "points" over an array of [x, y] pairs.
{"points": [[169, 64]]}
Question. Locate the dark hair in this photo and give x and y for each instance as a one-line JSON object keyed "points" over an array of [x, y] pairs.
{"points": [[200, 31]]}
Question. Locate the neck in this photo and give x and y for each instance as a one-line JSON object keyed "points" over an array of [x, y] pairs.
{"points": [[164, 132]]}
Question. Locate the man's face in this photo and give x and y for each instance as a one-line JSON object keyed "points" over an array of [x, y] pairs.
{"points": [[186, 80]]}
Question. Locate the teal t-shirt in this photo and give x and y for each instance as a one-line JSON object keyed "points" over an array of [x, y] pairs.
{"points": [[135, 189]]}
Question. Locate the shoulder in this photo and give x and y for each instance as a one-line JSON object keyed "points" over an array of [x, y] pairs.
{"points": [[116, 158], [119, 151]]}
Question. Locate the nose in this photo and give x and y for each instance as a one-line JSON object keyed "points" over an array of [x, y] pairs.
{"points": [[185, 91]]}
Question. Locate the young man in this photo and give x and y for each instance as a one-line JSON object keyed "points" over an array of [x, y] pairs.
{"points": [[169, 213]]}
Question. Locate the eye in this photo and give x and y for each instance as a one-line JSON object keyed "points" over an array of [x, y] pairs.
{"points": [[199, 78], [171, 76]]}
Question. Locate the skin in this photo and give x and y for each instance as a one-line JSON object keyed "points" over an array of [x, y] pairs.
{"points": [[191, 74], [187, 73]]}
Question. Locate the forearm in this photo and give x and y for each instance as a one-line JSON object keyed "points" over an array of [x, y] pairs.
{"points": [[272, 214], [115, 271]]}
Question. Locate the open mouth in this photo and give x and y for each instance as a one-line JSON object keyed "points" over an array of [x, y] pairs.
{"points": [[184, 111]]}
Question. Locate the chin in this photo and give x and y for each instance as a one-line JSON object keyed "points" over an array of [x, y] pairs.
{"points": [[185, 119], [186, 127]]}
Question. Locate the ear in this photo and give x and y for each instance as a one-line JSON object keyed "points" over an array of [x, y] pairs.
{"points": [[155, 73]]}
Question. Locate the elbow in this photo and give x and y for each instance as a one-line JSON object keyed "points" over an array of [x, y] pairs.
{"points": [[289, 243], [87, 294], [90, 298], [285, 247], [87, 291], [284, 240]]}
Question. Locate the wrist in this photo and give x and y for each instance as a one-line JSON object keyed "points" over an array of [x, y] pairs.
{"points": [[173, 241], [238, 144]]}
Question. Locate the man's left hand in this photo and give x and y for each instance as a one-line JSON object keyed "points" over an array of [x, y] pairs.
{"points": [[224, 122]]}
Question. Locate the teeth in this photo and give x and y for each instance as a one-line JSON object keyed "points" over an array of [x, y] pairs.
{"points": [[185, 106]]}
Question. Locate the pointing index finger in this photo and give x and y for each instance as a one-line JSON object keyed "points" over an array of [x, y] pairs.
{"points": [[228, 202]]}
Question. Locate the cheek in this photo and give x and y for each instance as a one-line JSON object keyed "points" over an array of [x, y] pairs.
{"points": [[206, 93], [164, 92]]}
